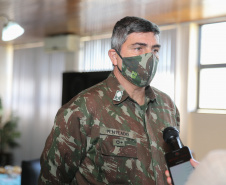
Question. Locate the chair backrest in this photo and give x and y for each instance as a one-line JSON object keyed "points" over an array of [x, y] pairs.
{"points": [[30, 172]]}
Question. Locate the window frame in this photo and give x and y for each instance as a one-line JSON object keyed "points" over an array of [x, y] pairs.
{"points": [[205, 66]]}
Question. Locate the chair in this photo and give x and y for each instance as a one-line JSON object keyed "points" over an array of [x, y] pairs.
{"points": [[30, 172]]}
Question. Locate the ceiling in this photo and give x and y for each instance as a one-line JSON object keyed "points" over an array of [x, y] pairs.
{"points": [[41, 18]]}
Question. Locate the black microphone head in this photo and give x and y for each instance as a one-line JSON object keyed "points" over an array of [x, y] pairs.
{"points": [[170, 133]]}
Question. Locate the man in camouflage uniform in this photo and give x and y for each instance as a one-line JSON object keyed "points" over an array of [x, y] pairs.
{"points": [[111, 133]]}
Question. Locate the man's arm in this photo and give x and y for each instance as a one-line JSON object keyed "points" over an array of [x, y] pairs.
{"points": [[63, 150]]}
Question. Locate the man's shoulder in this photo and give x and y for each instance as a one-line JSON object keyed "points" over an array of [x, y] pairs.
{"points": [[164, 99], [86, 99], [97, 91], [160, 94]]}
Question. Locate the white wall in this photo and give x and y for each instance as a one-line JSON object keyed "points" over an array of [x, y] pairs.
{"points": [[6, 63], [207, 132], [202, 132]]}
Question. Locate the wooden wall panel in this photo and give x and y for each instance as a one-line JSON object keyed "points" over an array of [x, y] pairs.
{"points": [[42, 18]]}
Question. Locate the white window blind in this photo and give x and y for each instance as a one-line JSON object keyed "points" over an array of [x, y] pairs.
{"points": [[165, 76], [95, 55], [36, 97]]}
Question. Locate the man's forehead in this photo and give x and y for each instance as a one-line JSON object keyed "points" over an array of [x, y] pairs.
{"points": [[157, 45], [142, 38], [142, 33]]}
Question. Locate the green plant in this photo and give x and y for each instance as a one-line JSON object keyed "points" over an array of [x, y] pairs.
{"points": [[8, 132]]}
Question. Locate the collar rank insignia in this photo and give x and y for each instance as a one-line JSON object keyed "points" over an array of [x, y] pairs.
{"points": [[118, 95]]}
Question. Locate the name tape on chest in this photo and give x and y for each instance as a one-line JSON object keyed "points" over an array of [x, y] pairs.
{"points": [[116, 132]]}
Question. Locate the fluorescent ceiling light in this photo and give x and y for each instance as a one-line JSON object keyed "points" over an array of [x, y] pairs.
{"points": [[11, 31]]}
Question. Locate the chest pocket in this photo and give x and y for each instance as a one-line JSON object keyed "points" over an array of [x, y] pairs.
{"points": [[118, 156], [118, 146]]}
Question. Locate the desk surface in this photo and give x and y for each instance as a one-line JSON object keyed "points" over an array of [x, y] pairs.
{"points": [[6, 180]]}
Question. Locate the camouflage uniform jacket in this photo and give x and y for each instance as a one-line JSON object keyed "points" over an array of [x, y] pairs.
{"points": [[102, 136]]}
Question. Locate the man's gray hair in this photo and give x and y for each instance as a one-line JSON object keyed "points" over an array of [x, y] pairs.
{"points": [[129, 25]]}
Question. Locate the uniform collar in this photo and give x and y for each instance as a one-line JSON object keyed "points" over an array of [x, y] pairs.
{"points": [[118, 94], [150, 94]]}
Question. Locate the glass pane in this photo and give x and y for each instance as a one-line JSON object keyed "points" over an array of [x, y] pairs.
{"points": [[213, 40], [212, 92]]}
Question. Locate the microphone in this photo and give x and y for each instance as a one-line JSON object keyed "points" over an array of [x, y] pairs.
{"points": [[171, 137], [178, 159]]}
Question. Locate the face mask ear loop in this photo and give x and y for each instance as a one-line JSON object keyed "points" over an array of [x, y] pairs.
{"points": [[118, 53], [120, 57]]}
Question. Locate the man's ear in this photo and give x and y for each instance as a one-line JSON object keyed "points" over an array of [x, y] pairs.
{"points": [[113, 56]]}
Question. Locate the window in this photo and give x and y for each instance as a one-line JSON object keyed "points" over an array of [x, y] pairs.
{"points": [[212, 66]]}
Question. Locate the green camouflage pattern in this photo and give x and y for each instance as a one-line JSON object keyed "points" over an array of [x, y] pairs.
{"points": [[141, 69], [99, 139]]}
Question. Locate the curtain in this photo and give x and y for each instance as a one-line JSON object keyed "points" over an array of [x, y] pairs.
{"points": [[165, 75], [95, 55], [36, 97]]}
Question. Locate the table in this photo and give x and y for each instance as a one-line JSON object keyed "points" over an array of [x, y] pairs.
{"points": [[6, 180]]}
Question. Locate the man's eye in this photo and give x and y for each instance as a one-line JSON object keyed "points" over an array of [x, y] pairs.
{"points": [[138, 49], [155, 50]]}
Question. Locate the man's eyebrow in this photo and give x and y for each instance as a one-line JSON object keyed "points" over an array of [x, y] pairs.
{"points": [[156, 46], [139, 43]]}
